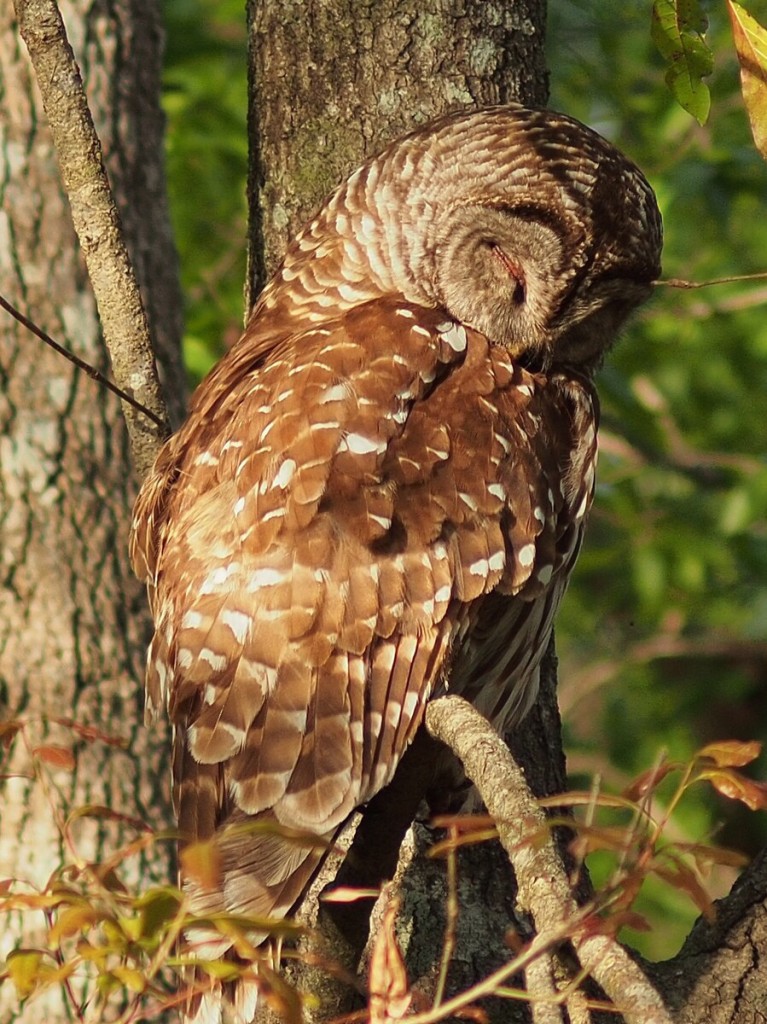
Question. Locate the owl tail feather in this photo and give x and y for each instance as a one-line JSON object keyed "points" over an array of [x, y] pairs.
{"points": [[261, 873], [224, 1003]]}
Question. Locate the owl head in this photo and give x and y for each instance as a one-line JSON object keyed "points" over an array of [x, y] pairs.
{"points": [[522, 224]]}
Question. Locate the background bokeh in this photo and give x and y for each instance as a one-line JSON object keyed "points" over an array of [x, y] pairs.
{"points": [[662, 637]]}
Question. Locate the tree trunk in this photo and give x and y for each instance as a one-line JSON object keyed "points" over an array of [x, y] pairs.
{"points": [[73, 620], [331, 83]]}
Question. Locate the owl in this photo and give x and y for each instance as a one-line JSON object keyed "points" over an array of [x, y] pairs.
{"points": [[381, 490]]}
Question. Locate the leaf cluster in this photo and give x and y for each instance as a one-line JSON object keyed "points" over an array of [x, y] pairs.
{"points": [[128, 955], [662, 635]]}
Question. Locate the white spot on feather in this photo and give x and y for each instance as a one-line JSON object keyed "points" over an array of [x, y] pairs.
{"points": [[217, 662], [410, 703], [273, 514], [216, 579], [193, 620], [544, 574], [455, 337], [496, 561], [284, 474], [503, 442], [239, 623], [184, 658], [336, 393], [359, 444], [264, 578], [526, 555]]}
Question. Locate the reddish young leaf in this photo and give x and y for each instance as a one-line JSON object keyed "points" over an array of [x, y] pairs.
{"points": [[704, 856], [91, 733], [737, 787], [346, 894], [475, 1013], [631, 919], [9, 730], [611, 923], [463, 822], [390, 995], [56, 756], [585, 798], [603, 837], [684, 879], [731, 753], [106, 814], [514, 941], [649, 780]]}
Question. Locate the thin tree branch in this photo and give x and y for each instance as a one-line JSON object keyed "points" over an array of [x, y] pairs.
{"points": [[97, 223], [542, 883], [679, 282], [81, 364]]}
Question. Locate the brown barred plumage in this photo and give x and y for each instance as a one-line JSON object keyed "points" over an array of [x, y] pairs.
{"points": [[380, 491]]}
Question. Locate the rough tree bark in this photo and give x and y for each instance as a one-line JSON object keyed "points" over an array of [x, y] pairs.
{"points": [[73, 620]]}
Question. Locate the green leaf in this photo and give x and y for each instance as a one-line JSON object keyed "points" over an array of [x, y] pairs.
{"points": [[678, 30], [73, 921], [23, 967], [751, 48], [158, 906]]}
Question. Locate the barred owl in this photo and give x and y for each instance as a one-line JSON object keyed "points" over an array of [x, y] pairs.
{"points": [[380, 491]]}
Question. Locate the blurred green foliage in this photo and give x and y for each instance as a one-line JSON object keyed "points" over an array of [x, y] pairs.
{"points": [[205, 100], [662, 638]]}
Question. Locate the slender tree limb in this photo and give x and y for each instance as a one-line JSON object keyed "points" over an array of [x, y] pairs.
{"points": [[81, 364], [97, 223], [544, 890]]}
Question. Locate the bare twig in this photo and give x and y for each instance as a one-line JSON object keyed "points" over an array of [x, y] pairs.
{"points": [[97, 223], [543, 886], [451, 919], [81, 364], [679, 282]]}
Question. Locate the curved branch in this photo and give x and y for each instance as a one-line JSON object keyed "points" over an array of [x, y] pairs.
{"points": [[97, 223], [543, 887]]}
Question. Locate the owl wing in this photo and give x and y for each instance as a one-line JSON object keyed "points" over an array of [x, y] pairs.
{"points": [[315, 545]]}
